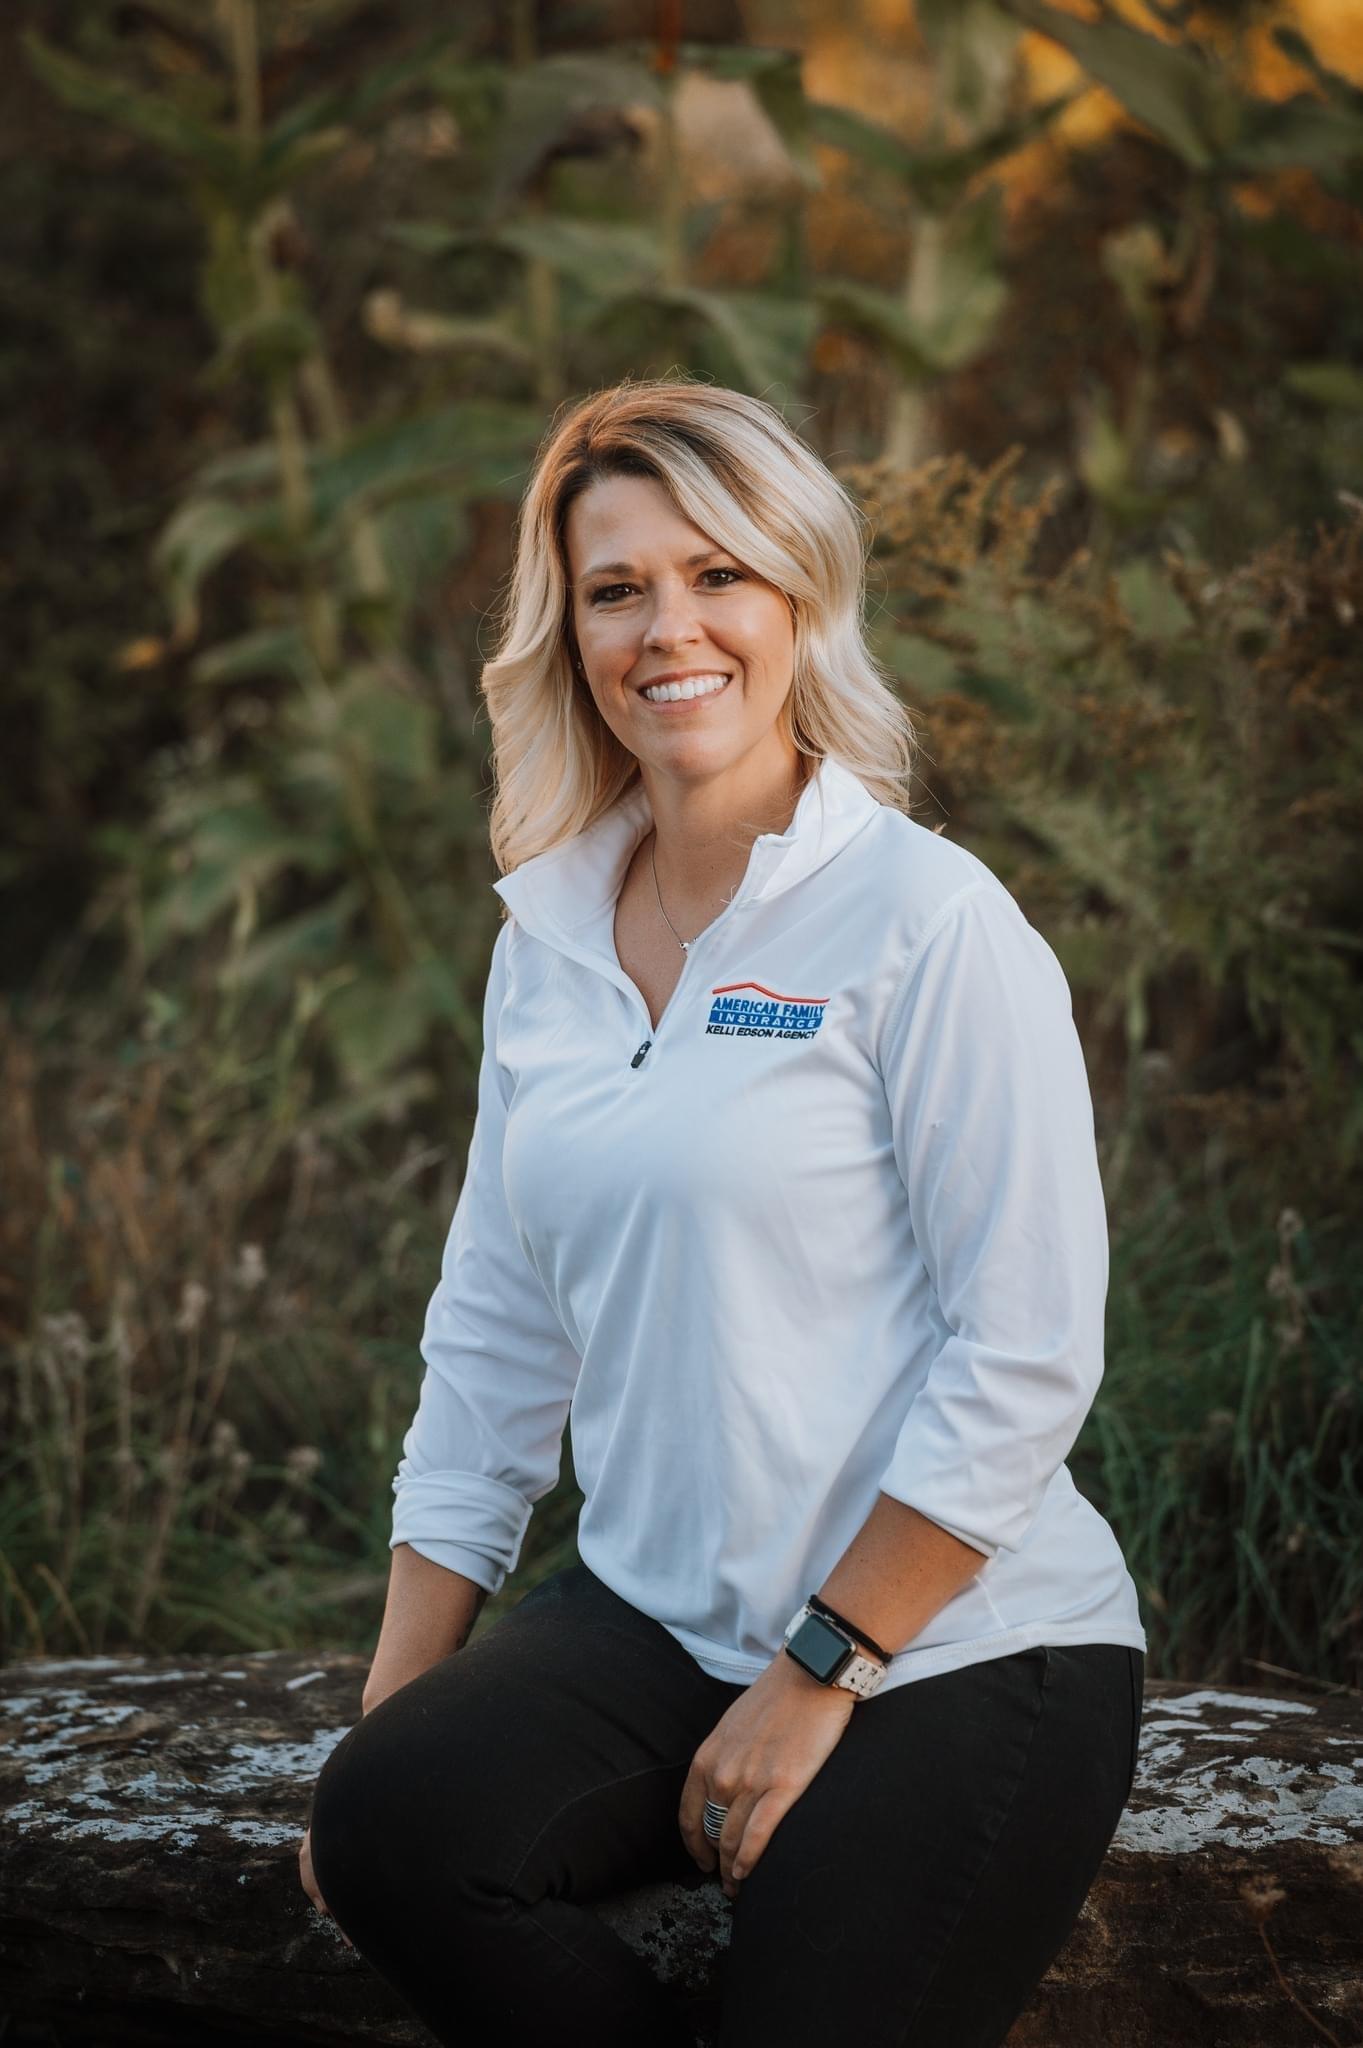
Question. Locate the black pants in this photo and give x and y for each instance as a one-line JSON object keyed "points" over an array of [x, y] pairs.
{"points": [[915, 1893]]}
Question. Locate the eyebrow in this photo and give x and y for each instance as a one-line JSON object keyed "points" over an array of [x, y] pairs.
{"points": [[627, 568]]}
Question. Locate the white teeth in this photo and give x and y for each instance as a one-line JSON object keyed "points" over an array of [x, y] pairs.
{"points": [[694, 686]]}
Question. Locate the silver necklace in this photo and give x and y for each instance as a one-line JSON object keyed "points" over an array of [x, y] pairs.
{"points": [[685, 944]]}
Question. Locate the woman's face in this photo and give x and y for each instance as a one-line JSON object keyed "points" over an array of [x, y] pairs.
{"points": [[652, 595]]}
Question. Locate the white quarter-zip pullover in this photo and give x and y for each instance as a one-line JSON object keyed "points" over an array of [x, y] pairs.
{"points": [[834, 1228]]}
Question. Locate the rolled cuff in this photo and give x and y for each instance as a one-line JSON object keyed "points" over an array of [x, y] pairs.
{"points": [[463, 1520]]}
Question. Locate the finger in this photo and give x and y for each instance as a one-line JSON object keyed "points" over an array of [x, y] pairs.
{"points": [[705, 1848], [764, 1817], [690, 1810], [731, 1839]]}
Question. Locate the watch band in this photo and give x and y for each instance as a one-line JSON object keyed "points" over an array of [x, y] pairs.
{"points": [[856, 1674]]}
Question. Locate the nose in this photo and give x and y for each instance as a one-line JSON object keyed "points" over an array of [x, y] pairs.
{"points": [[672, 622]]}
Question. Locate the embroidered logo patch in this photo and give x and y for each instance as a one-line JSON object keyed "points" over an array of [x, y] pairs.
{"points": [[744, 1009]]}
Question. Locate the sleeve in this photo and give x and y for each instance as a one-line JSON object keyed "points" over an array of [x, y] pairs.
{"points": [[486, 1440], [994, 1139]]}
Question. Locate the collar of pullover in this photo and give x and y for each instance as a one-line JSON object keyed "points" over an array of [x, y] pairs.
{"points": [[560, 894]]}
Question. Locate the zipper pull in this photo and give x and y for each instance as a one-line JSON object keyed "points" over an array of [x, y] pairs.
{"points": [[638, 1059]]}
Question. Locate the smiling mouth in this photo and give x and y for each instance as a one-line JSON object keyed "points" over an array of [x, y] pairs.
{"points": [[695, 690]]}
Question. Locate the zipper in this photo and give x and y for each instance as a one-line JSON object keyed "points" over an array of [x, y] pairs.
{"points": [[615, 973], [642, 1051]]}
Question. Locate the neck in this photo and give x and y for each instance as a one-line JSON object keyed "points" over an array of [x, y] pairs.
{"points": [[703, 832]]}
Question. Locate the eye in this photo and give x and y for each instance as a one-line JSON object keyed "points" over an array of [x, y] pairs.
{"points": [[606, 594]]}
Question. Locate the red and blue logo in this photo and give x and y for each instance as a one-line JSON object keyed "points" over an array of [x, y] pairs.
{"points": [[745, 1009]]}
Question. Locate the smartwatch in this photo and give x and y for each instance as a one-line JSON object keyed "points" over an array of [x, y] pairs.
{"points": [[829, 1654]]}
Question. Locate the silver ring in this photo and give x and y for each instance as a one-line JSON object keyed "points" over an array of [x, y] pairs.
{"points": [[712, 1820]]}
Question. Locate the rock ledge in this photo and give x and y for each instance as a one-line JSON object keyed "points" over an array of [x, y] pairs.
{"points": [[153, 1808]]}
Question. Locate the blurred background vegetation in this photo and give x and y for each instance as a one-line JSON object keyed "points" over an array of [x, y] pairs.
{"points": [[1069, 296]]}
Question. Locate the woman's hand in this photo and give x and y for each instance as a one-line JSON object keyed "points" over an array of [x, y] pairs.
{"points": [[310, 1885], [377, 1686], [757, 1761]]}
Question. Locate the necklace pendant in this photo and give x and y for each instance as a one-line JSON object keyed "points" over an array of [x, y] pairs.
{"points": [[686, 945]]}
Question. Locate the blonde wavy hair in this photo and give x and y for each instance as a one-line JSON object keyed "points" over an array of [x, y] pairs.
{"points": [[739, 473]]}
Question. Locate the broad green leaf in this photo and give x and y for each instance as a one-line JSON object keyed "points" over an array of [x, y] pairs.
{"points": [[393, 731], [769, 337], [213, 150], [252, 838], [1333, 84], [876, 314], [766, 338], [250, 468], [191, 903], [1167, 86], [1339, 385], [1156, 610], [230, 853], [843, 129], [263, 651], [1317, 136], [201, 533], [376, 1021], [603, 256], [971, 298], [477, 445], [264, 345], [936, 178]]}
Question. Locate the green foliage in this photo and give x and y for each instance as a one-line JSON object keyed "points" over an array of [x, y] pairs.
{"points": [[937, 178], [1195, 107], [202, 1420], [1228, 1440], [231, 1149], [1156, 724], [969, 297]]}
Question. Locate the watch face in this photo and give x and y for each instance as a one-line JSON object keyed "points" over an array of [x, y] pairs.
{"points": [[820, 1648]]}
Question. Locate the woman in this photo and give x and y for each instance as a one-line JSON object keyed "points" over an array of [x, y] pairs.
{"points": [[783, 1177]]}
